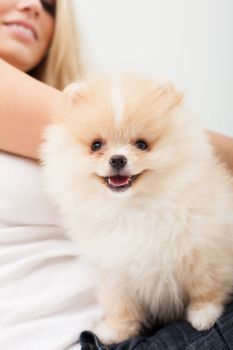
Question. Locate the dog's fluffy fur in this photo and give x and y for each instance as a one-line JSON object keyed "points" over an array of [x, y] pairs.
{"points": [[162, 243]]}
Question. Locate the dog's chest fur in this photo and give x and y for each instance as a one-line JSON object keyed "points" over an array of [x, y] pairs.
{"points": [[139, 243]]}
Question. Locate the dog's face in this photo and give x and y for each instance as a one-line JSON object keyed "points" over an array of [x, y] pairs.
{"points": [[120, 130]]}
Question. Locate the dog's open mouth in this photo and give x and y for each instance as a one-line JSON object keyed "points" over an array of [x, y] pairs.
{"points": [[119, 182]]}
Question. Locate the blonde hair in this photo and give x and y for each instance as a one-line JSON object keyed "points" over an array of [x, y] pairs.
{"points": [[62, 64]]}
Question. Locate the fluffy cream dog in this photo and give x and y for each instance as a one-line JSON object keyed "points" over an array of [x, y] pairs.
{"points": [[146, 200]]}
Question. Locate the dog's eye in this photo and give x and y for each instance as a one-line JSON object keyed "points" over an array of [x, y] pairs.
{"points": [[96, 145], [141, 144]]}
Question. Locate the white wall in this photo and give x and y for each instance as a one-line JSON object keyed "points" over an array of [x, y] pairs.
{"points": [[187, 41]]}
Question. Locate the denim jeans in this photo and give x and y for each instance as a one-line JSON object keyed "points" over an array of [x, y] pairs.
{"points": [[175, 336]]}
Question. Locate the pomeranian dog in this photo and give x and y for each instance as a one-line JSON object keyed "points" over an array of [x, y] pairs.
{"points": [[146, 200]]}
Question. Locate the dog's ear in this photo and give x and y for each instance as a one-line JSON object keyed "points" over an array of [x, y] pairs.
{"points": [[75, 92], [72, 97], [166, 96]]}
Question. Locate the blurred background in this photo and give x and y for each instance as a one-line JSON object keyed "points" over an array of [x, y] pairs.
{"points": [[187, 41]]}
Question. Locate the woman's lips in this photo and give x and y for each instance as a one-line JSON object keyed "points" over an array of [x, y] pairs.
{"points": [[21, 31]]}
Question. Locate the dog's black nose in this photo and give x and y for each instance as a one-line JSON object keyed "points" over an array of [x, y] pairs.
{"points": [[118, 161]]}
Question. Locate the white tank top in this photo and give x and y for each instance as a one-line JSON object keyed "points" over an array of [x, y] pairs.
{"points": [[46, 293]]}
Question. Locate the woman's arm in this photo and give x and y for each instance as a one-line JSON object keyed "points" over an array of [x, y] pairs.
{"points": [[224, 147], [26, 106]]}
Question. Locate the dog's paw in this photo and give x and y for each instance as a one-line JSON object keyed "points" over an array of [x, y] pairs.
{"points": [[106, 333], [203, 316], [114, 332]]}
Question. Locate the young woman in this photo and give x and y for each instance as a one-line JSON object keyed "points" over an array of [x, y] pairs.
{"points": [[45, 292]]}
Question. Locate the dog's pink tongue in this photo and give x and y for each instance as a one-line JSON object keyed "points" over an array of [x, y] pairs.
{"points": [[118, 180]]}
